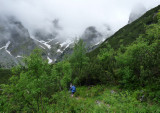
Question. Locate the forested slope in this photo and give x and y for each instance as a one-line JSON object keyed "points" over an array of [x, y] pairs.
{"points": [[130, 32]]}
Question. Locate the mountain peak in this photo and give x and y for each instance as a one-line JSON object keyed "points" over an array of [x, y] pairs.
{"points": [[136, 12]]}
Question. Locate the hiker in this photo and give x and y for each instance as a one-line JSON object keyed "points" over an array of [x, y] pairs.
{"points": [[73, 89]]}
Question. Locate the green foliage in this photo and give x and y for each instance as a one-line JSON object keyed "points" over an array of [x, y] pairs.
{"points": [[79, 62], [100, 99], [28, 91], [94, 73], [30, 87], [61, 74], [139, 64], [133, 66], [107, 60], [4, 75]]}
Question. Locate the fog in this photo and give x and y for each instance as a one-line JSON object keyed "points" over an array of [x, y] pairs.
{"points": [[74, 15]]}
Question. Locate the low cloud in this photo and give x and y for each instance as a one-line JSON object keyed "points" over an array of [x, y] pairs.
{"points": [[73, 16]]}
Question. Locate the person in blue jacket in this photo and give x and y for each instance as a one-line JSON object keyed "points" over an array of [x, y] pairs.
{"points": [[73, 89]]}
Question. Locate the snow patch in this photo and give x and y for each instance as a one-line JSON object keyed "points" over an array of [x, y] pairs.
{"points": [[57, 42], [98, 43], [9, 52], [43, 42], [62, 44], [59, 51], [46, 43], [6, 46], [2, 47], [8, 43], [19, 56], [42, 47], [66, 43], [49, 60], [66, 46]]}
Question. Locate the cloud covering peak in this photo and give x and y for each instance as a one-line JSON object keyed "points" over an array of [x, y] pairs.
{"points": [[74, 15]]}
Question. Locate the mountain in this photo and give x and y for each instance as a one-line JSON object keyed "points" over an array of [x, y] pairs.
{"points": [[92, 39], [136, 12], [130, 32], [16, 42], [91, 35]]}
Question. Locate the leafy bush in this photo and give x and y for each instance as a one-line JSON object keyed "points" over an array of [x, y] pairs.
{"points": [[32, 86]]}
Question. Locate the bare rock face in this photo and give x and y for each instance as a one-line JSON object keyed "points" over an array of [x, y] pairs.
{"points": [[90, 35], [136, 12], [7, 60], [15, 41]]}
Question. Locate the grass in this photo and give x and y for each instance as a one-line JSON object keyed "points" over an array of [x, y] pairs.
{"points": [[99, 99]]}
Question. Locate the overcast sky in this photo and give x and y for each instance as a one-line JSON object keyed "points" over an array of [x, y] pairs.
{"points": [[74, 15]]}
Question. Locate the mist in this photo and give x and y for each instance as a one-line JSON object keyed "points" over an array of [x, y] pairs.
{"points": [[73, 16]]}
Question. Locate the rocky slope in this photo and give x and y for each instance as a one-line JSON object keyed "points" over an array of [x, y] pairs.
{"points": [[16, 42]]}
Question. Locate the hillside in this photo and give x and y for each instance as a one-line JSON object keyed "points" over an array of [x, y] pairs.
{"points": [[130, 32]]}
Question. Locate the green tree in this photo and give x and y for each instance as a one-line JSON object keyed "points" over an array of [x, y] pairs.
{"points": [[30, 90], [61, 75], [106, 58], [79, 61]]}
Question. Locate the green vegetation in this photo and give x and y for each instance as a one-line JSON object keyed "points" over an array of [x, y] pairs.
{"points": [[31, 87], [79, 62], [122, 76], [102, 99], [4, 75], [129, 33]]}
